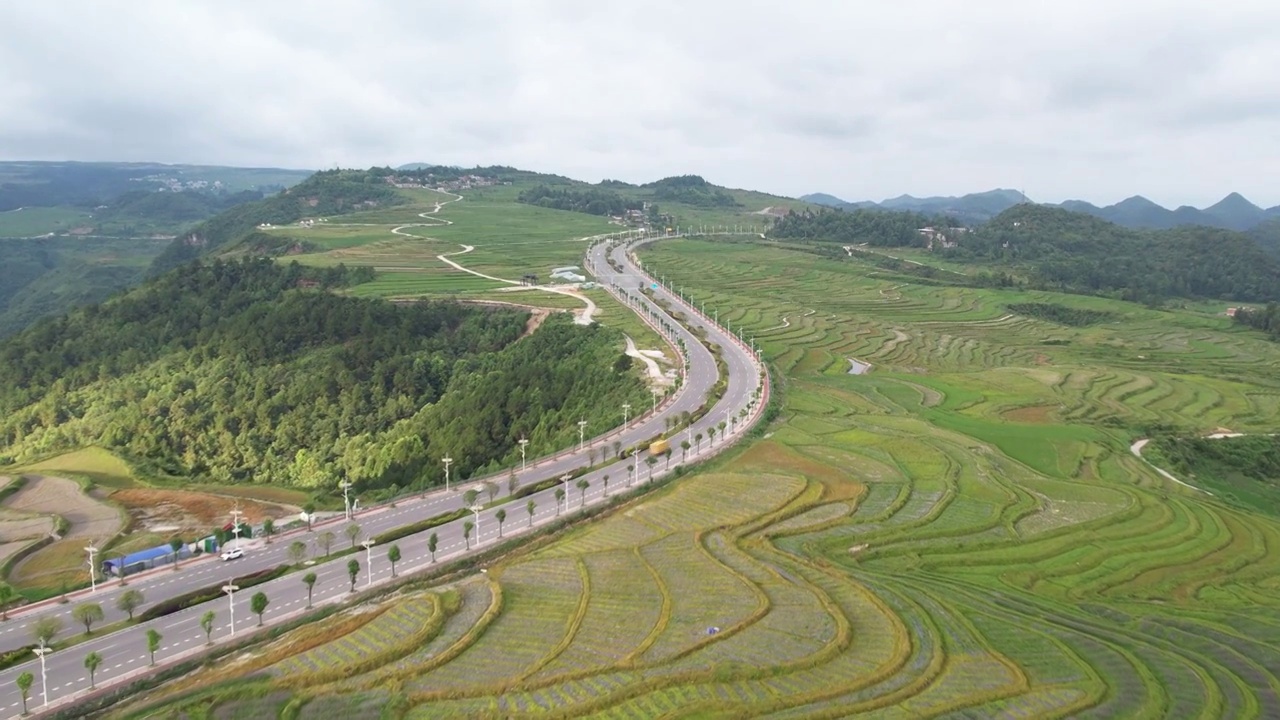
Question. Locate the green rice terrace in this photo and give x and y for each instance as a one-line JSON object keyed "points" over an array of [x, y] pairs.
{"points": [[959, 528]]}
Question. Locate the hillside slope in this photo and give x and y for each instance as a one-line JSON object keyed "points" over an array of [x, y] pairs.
{"points": [[329, 192], [251, 371], [1053, 248]]}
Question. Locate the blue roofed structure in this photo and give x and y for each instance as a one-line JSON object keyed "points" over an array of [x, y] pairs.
{"points": [[144, 560]]}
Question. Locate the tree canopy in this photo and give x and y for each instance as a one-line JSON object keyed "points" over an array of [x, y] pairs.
{"points": [[1056, 249], [249, 371], [592, 201]]}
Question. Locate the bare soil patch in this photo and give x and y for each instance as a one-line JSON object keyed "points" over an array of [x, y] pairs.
{"points": [[89, 521], [186, 513], [19, 529], [1037, 414], [48, 495]]}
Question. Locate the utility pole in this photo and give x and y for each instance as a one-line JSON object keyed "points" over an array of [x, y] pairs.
{"points": [[522, 442], [565, 479], [93, 571], [475, 510], [235, 522], [626, 408], [368, 560], [230, 590], [447, 462], [44, 679], [582, 430], [346, 500]]}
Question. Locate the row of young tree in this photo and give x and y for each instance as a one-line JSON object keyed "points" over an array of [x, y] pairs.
{"points": [[592, 201], [227, 371], [1265, 319], [1062, 314]]}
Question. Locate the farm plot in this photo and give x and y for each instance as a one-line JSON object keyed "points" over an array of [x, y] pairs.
{"points": [[19, 529], [541, 607], [394, 633], [88, 520]]}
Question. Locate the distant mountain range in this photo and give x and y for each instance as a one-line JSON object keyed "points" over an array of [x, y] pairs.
{"points": [[1233, 212]]}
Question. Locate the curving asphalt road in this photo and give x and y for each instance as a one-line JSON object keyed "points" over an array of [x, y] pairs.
{"points": [[125, 653]]}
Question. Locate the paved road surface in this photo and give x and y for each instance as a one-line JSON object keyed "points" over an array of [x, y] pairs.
{"points": [[125, 651]]}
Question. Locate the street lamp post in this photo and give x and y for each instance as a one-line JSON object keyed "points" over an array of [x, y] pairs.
{"points": [[582, 430], [522, 442], [368, 560], [93, 574], [565, 479], [475, 510], [44, 679], [626, 409], [235, 523], [230, 590], [346, 499], [447, 462]]}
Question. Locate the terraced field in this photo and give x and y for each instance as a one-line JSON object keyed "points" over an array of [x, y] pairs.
{"points": [[959, 532]]}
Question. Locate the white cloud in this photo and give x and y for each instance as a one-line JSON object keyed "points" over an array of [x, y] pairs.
{"points": [[1098, 100]]}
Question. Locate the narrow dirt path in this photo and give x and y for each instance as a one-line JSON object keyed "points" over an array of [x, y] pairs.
{"points": [[655, 372], [586, 316], [1136, 449]]}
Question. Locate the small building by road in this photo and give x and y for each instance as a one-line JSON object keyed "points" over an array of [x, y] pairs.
{"points": [[144, 560]]}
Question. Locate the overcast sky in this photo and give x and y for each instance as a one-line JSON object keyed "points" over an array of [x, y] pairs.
{"points": [[1177, 101]]}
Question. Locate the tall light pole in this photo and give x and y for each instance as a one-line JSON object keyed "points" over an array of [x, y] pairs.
{"points": [[230, 590], [346, 499], [565, 479], [475, 510], [368, 560], [93, 573], [235, 522], [447, 462], [626, 408], [522, 442], [582, 431], [654, 395], [44, 679]]}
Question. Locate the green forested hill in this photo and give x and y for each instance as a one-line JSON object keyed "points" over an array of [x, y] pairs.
{"points": [[252, 371], [1057, 249], [329, 192]]}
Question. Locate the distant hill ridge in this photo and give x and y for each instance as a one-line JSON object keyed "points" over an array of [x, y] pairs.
{"points": [[1233, 212]]}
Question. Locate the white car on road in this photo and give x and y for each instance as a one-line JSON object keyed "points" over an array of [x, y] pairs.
{"points": [[233, 554]]}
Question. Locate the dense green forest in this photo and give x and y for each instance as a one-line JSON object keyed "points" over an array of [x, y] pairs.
{"points": [[1054, 249], [584, 200], [1267, 235], [1061, 314], [1243, 471], [690, 190], [1077, 252], [876, 228], [250, 371], [329, 192], [1265, 319]]}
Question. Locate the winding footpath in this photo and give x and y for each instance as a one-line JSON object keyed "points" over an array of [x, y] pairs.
{"points": [[124, 651]]}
